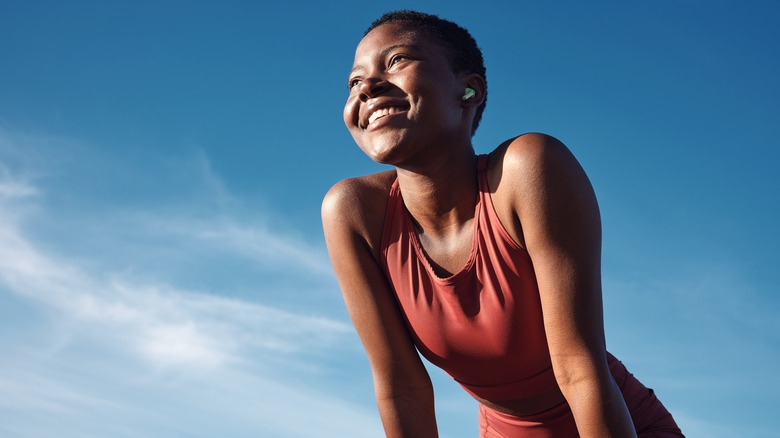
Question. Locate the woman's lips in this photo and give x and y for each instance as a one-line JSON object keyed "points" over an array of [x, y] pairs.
{"points": [[381, 112]]}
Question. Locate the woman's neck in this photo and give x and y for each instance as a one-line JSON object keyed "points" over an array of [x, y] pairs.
{"points": [[442, 195]]}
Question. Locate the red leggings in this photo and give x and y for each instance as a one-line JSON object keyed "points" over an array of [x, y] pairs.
{"points": [[650, 417]]}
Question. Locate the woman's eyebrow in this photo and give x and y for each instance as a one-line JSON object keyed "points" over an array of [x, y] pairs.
{"points": [[383, 54]]}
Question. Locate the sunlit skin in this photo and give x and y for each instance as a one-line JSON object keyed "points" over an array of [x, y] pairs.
{"points": [[396, 67], [411, 75], [535, 181]]}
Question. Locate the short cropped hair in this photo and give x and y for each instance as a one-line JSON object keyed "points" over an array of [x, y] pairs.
{"points": [[463, 53]]}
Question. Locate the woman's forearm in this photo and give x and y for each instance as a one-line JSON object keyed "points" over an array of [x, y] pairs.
{"points": [[598, 408], [408, 415]]}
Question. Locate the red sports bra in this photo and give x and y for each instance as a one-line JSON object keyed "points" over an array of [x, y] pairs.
{"points": [[482, 325]]}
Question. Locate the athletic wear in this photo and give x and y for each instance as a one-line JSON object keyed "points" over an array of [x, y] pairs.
{"points": [[650, 417], [485, 317], [483, 324]]}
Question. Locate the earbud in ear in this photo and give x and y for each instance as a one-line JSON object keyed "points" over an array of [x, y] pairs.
{"points": [[468, 94]]}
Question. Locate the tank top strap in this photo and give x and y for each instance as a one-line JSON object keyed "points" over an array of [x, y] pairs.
{"points": [[482, 181], [395, 190], [391, 212]]}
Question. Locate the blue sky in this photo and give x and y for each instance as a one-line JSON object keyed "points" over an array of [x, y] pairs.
{"points": [[162, 266]]}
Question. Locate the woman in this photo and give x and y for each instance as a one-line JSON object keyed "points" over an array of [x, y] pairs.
{"points": [[489, 265]]}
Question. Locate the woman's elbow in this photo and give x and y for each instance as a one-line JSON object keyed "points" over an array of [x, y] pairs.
{"points": [[579, 372]]}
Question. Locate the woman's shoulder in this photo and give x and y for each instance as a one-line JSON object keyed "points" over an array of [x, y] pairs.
{"points": [[529, 149], [526, 173], [524, 162], [359, 192], [533, 161], [359, 204]]}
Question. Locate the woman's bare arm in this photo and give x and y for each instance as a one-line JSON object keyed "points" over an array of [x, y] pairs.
{"points": [[352, 216], [561, 228]]}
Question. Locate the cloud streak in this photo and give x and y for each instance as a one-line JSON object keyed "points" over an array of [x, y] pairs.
{"points": [[121, 337], [165, 325]]}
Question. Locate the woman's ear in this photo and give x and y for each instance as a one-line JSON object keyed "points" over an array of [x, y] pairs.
{"points": [[473, 90]]}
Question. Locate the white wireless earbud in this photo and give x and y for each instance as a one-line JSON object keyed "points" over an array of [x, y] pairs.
{"points": [[468, 94]]}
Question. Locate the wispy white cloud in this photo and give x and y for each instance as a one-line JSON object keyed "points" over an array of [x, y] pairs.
{"points": [[259, 238], [260, 244], [164, 324], [41, 401], [137, 349], [10, 188]]}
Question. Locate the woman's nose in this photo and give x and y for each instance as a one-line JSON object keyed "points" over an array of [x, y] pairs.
{"points": [[372, 87]]}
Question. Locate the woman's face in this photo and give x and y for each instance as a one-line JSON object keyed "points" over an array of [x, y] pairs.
{"points": [[404, 97]]}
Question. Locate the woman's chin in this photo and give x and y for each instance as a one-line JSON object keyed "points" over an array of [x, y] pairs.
{"points": [[384, 149], [381, 156]]}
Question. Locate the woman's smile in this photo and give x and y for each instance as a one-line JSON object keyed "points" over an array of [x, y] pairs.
{"points": [[380, 108], [383, 112]]}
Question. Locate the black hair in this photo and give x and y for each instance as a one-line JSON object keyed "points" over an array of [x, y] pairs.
{"points": [[464, 54]]}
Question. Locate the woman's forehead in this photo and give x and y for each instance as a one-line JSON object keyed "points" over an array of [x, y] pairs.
{"points": [[393, 34], [388, 33]]}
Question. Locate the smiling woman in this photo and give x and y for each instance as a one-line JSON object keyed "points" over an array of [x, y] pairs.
{"points": [[488, 265]]}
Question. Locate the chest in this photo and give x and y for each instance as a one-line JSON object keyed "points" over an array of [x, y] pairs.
{"points": [[447, 254]]}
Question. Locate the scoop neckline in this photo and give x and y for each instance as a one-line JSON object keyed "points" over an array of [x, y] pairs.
{"points": [[427, 262]]}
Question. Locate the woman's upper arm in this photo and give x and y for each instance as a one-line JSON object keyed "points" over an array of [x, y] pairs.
{"points": [[561, 227], [352, 233]]}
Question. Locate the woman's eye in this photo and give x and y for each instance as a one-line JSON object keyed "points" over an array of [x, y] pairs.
{"points": [[353, 83], [395, 59]]}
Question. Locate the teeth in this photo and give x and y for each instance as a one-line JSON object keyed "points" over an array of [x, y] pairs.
{"points": [[382, 112]]}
